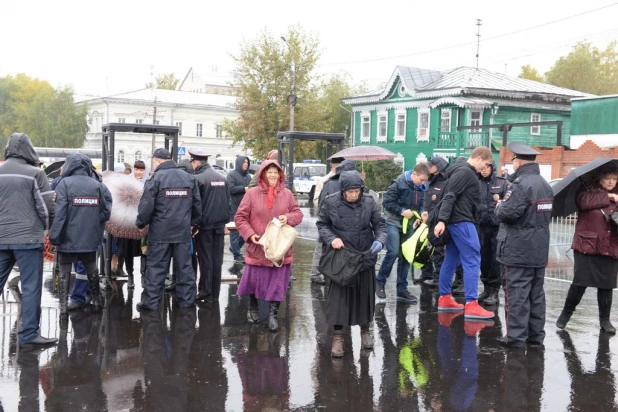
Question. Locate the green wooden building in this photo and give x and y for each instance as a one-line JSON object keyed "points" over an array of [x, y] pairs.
{"points": [[417, 113], [595, 119]]}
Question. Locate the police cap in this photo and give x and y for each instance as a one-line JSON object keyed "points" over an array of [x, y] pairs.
{"points": [[198, 155], [522, 151], [162, 153]]}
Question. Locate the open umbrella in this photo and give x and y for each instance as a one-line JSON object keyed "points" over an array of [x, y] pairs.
{"points": [[53, 170], [365, 153], [126, 193], [566, 189]]}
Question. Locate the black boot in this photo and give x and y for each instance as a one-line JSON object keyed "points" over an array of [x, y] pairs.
{"points": [[131, 281], [142, 269], [273, 313], [254, 312], [574, 296], [485, 294], [604, 299], [95, 291], [563, 319], [493, 297], [63, 294]]}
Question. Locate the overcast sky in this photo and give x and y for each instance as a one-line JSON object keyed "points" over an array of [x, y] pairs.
{"points": [[109, 47]]}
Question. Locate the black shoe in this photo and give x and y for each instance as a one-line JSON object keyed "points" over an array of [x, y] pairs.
{"points": [[535, 344], [504, 343], [484, 295], [273, 313], [607, 327], [493, 298], [171, 287], [239, 259], [380, 292], [142, 307], [420, 281], [39, 341], [131, 282], [563, 319], [319, 279], [406, 297], [458, 289], [72, 306], [432, 283]]}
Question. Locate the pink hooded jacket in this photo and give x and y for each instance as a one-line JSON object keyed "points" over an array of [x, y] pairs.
{"points": [[253, 215]]}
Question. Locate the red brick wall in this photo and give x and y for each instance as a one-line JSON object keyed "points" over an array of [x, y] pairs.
{"points": [[563, 160]]}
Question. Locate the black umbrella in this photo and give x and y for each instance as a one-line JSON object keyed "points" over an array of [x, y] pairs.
{"points": [[53, 170], [566, 189]]}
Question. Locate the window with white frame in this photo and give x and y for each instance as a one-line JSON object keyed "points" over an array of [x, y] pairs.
{"points": [[382, 126], [535, 130], [445, 120], [120, 156], [218, 131], [422, 133], [122, 120], [139, 155], [179, 126], [476, 119], [400, 125], [139, 121], [365, 127], [198, 129]]}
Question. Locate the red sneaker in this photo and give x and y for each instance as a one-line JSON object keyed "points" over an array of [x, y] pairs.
{"points": [[472, 327], [446, 318], [447, 303], [474, 311]]}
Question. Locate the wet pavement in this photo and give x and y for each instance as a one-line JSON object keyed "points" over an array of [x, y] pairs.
{"points": [[211, 359]]}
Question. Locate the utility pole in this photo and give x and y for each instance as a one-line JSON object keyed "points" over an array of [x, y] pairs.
{"points": [[292, 96], [478, 40]]}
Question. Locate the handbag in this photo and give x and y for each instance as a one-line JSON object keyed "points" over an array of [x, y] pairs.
{"points": [[342, 266], [613, 217], [277, 240]]}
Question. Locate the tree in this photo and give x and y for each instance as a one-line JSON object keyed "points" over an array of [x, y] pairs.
{"points": [[49, 116], [165, 81], [530, 73], [587, 69], [380, 174], [263, 83]]}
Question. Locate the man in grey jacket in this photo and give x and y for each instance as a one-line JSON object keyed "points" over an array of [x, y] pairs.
{"points": [[25, 214]]}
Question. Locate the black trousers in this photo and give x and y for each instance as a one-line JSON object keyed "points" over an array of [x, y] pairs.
{"points": [[491, 269], [210, 259], [431, 270], [525, 305], [604, 300], [157, 268]]}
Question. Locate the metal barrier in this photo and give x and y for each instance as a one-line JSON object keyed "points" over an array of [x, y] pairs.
{"points": [[561, 230]]}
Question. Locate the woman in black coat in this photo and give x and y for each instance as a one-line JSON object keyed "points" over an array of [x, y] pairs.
{"points": [[351, 219]]}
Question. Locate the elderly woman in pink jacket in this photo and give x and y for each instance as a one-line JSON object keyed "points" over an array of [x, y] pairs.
{"points": [[261, 279]]}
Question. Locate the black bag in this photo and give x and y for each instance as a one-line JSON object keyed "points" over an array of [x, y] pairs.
{"points": [[341, 265], [613, 217], [432, 222]]}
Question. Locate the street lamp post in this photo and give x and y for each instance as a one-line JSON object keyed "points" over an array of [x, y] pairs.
{"points": [[292, 96]]}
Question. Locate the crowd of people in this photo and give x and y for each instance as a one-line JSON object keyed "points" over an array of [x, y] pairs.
{"points": [[482, 226]]}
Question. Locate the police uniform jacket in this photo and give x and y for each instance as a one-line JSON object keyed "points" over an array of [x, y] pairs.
{"points": [[492, 189], [170, 205], [435, 189], [524, 215], [215, 195]]}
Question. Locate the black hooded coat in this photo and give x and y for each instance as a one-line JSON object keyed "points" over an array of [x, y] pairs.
{"points": [[237, 180]]}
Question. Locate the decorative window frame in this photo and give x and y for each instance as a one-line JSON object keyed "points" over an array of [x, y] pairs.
{"points": [[139, 155], [199, 129], [422, 133], [535, 130], [382, 114], [400, 137], [480, 112], [448, 111], [421, 158], [179, 126], [120, 156], [363, 138]]}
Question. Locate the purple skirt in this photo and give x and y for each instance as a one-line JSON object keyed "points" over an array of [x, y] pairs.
{"points": [[267, 283]]}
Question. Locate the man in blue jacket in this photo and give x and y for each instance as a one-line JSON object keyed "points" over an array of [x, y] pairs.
{"points": [[402, 198]]}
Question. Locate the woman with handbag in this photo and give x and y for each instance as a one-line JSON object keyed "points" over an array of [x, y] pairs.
{"points": [[595, 246], [262, 279], [352, 220]]}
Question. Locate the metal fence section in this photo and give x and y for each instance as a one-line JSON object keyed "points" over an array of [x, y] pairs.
{"points": [[561, 230]]}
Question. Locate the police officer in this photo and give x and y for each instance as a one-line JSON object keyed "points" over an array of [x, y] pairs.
{"points": [[523, 246], [215, 204], [171, 206], [493, 189]]}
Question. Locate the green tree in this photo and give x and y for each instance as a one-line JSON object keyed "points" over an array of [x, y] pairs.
{"points": [[587, 69], [379, 174], [530, 73], [165, 81], [264, 78], [49, 116]]}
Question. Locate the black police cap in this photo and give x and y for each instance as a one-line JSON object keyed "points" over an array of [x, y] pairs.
{"points": [[523, 151], [198, 155], [162, 153]]}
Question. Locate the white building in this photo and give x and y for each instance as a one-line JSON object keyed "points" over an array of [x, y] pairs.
{"points": [[198, 115], [212, 81]]}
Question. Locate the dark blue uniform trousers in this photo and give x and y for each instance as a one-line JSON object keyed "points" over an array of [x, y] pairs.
{"points": [[525, 305], [157, 269], [30, 263]]}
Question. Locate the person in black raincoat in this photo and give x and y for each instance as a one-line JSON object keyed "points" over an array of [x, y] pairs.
{"points": [[352, 219], [493, 189], [238, 181], [81, 210]]}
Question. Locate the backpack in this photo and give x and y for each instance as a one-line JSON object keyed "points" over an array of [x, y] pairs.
{"points": [[417, 250], [432, 222]]}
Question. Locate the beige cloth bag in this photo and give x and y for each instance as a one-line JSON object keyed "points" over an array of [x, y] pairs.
{"points": [[277, 240]]}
